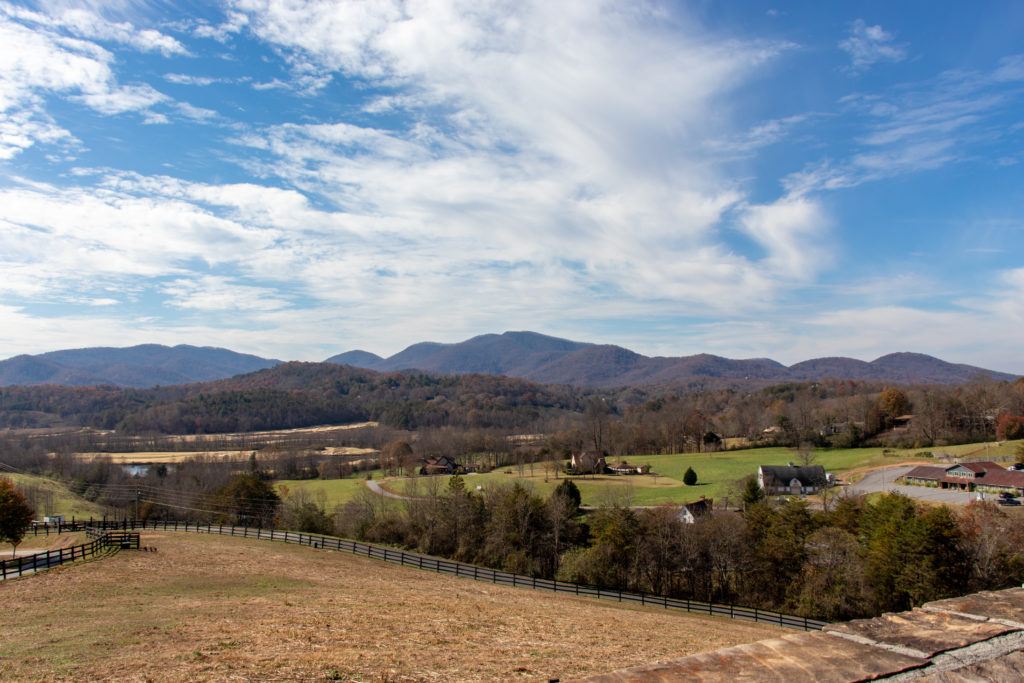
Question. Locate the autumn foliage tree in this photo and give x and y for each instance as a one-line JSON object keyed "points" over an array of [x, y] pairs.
{"points": [[1009, 427], [15, 514]]}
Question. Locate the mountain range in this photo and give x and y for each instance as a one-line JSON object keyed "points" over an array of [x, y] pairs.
{"points": [[550, 360], [531, 356], [146, 365]]}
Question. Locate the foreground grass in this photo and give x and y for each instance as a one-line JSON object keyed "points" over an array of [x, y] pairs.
{"points": [[215, 608]]}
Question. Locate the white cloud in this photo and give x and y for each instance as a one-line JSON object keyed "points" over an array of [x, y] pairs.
{"points": [[89, 23], [19, 130], [214, 293], [122, 99], [38, 62], [188, 79], [794, 232], [546, 135], [868, 45]]}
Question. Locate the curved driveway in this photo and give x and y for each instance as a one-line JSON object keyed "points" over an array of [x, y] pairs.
{"points": [[375, 486], [882, 480]]}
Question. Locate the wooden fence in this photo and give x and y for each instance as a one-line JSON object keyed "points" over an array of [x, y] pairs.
{"points": [[101, 541], [456, 569]]}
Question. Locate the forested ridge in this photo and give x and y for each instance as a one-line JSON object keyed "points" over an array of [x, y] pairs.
{"points": [[288, 396], [823, 413]]}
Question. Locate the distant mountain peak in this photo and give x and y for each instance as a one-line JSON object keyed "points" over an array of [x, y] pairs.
{"points": [[552, 360]]}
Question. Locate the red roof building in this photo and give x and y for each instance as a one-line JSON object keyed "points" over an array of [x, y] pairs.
{"points": [[968, 476]]}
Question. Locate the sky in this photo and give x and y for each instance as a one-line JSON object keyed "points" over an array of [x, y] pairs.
{"points": [[788, 180]]}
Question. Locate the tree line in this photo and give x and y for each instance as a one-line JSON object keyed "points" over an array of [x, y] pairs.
{"points": [[622, 421], [853, 560]]}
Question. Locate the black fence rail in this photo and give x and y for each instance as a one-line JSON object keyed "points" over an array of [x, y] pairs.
{"points": [[101, 542], [465, 570]]}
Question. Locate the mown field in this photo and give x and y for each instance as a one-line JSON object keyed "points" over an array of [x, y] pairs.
{"points": [[220, 608]]}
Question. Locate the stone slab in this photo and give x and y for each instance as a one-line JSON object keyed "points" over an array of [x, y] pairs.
{"points": [[1006, 668], [1006, 604], [921, 632], [799, 658]]}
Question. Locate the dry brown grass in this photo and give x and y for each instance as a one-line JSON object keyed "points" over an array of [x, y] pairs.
{"points": [[157, 457], [244, 609], [38, 544]]}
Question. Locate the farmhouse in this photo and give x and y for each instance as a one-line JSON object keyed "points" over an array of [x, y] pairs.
{"points": [[791, 479], [691, 512], [439, 464], [968, 476], [591, 462]]}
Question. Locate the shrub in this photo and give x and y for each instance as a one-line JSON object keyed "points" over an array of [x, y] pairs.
{"points": [[690, 477]]}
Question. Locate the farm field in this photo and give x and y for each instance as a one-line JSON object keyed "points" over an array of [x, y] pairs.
{"points": [[261, 610], [50, 497], [335, 491], [157, 457], [717, 473]]}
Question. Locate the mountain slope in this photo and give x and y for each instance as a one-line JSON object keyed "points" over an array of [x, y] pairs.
{"points": [[549, 360], [140, 366]]}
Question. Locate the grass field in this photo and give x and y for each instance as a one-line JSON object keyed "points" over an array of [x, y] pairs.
{"points": [[335, 490], [50, 497], [38, 544], [244, 609], [717, 473]]}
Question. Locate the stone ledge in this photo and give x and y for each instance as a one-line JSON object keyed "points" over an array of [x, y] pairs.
{"points": [[977, 637]]}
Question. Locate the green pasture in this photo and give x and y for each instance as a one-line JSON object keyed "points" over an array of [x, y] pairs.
{"points": [[50, 497], [335, 491], [717, 474]]}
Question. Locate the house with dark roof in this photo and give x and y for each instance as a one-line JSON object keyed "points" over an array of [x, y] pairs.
{"points": [[439, 464], [625, 468], [776, 480], [968, 476]]}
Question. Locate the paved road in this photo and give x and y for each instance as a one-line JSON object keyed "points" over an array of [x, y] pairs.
{"points": [[42, 564], [882, 480], [381, 491]]}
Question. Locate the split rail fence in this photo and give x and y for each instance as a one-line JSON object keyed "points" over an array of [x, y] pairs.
{"points": [[102, 541], [450, 567]]}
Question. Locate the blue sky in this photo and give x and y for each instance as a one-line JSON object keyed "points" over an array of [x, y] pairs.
{"points": [[784, 180]]}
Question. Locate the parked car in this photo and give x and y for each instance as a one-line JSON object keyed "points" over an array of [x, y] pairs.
{"points": [[1008, 501], [1017, 466]]}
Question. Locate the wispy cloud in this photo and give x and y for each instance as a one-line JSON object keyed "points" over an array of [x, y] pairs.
{"points": [[917, 127], [86, 22], [868, 45]]}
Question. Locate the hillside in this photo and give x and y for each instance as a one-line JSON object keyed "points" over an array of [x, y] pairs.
{"points": [[146, 365], [291, 395], [549, 360], [214, 608], [51, 497]]}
